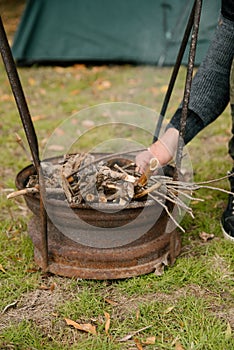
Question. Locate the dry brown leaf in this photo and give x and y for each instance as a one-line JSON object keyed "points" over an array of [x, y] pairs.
{"points": [[6, 97], [38, 117], [2, 268], [52, 286], [107, 324], [97, 69], [111, 302], [42, 91], [31, 81], [85, 327], [79, 66], [75, 92], [59, 70], [149, 341], [102, 84], [163, 88], [178, 346], [206, 236], [138, 344], [43, 287]]}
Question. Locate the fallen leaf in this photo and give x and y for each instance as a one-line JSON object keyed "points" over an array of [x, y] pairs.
{"points": [[31, 81], [111, 302], [138, 344], [60, 70], [75, 92], [102, 84], [149, 341], [79, 66], [52, 286], [107, 324], [32, 270], [163, 88], [97, 69], [2, 268], [6, 97], [178, 346], [43, 287], [85, 327], [42, 91], [206, 236], [38, 117]]}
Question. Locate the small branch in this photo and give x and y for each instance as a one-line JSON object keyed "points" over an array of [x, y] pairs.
{"points": [[148, 190], [30, 190], [7, 307], [129, 336], [167, 211]]}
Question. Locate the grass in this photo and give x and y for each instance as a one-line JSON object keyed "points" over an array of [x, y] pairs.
{"points": [[191, 305]]}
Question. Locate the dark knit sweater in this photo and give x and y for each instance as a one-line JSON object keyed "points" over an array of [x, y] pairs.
{"points": [[210, 87]]}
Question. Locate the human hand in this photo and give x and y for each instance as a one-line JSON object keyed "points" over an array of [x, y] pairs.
{"points": [[163, 150], [143, 160]]}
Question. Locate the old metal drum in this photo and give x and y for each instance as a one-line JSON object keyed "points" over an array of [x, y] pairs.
{"points": [[68, 257]]}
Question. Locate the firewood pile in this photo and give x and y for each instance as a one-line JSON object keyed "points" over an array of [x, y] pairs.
{"points": [[85, 179]]}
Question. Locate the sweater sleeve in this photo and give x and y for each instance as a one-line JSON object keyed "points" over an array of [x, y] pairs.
{"points": [[210, 87]]}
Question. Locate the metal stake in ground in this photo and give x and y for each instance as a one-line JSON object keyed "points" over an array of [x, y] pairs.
{"points": [[175, 72], [28, 128], [188, 84]]}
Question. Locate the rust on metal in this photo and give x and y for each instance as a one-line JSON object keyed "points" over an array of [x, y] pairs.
{"points": [[59, 253], [67, 257]]}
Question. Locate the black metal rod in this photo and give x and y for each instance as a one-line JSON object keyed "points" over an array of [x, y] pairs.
{"points": [[43, 222], [175, 72], [19, 95], [29, 131], [188, 83]]}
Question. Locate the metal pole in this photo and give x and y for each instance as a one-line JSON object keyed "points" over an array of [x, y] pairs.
{"points": [[188, 84], [26, 119], [19, 95], [175, 72]]}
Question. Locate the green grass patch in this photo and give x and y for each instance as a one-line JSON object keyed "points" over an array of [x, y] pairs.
{"points": [[191, 305]]}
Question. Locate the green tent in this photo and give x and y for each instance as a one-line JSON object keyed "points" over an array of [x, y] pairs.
{"points": [[102, 31]]}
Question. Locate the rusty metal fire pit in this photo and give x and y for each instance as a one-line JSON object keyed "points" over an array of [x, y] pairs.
{"points": [[68, 257], [101, 256]]}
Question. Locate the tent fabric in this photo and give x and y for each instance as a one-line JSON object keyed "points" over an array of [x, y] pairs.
{"points": [[132, 31]]}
